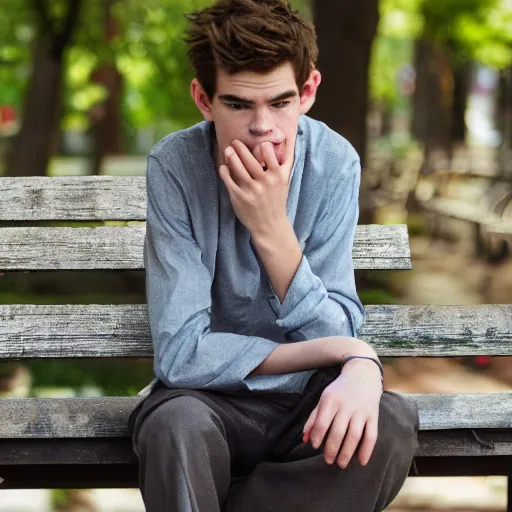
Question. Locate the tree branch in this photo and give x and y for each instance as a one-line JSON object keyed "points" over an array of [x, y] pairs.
{"points": [[41, 9], [63, 37]]}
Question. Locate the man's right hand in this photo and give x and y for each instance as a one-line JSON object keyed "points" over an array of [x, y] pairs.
{"points": [[258, 197]]}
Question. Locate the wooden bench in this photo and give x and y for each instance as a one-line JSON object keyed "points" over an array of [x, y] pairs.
{"points": [[83, 442], [452, 194]]}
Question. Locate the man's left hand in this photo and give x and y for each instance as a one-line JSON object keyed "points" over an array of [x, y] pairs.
{"points": [[349, 406]]}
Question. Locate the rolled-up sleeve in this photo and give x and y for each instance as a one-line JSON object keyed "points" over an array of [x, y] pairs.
{"points": [[322, 299], [178, 291]]}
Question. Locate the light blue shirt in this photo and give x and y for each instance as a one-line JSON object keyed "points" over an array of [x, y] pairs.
{"points": [[212, 311]]}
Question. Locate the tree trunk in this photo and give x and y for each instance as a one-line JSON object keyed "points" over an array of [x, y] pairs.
{"points": [[106, 120], [432, 100], [504, 121], [37, 138], [32, 146], [345, 32], [106, 131], [461, 84]]}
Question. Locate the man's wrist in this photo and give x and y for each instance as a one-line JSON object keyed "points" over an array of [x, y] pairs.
{"points": [[354, 347], [371, 362], [270, 237]]}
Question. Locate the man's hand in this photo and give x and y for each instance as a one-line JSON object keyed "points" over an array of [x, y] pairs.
{"points": [[258, 196], [349, 406]]}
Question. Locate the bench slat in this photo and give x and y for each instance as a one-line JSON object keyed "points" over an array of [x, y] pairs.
{"points": [[457, 208], [34, 418], [117, 453], [444, 331], [121, 248], [75, 331], [100, 198]]}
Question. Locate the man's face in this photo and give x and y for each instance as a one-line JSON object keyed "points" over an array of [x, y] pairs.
{"points": [[256, 108]]}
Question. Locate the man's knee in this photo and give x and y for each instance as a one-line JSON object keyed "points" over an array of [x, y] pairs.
{"points": [[178, 419]]}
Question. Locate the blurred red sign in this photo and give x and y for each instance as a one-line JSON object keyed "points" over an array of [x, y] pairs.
{"points": [[7, 114]]}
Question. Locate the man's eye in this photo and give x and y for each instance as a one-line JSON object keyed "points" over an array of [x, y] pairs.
{"points": [[281, 104], [235, 106]]}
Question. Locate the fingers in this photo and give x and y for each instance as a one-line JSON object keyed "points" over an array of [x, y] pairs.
{"points": [[248, 160], [269, 156], [324, 417], [259, 156], [236, 167], [339, 436], [354, 433], [309, 424], [369, 441], [336, 435]]}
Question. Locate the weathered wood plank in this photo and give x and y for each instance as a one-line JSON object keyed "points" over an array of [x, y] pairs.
{"points": [[465, 443], [400, 330], [99, 198], [121, 248], [34, 418], [50, 331], [69, 331], [464, 410], [433, 444]]}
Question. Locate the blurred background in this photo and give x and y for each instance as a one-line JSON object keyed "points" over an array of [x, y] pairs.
{"points": [[422, 89]]}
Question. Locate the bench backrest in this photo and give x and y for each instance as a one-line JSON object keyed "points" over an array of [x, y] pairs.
{"points": [[28, 331]]}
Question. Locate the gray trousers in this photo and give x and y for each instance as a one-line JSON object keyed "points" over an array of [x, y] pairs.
{"points": [[208, 451]]}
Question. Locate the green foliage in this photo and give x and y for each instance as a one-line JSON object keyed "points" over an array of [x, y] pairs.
{"points": [[115, 377], [59, 497], [149, 52], [474, 29], [16, 30], [471, 30], [376, 296], [400, 23]]}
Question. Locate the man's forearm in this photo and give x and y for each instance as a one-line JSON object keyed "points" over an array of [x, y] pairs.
{"points": [[280, 253], [312, 354]]}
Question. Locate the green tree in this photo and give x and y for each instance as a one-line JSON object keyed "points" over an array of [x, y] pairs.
{"points": [[53, 26], [455, 33]]}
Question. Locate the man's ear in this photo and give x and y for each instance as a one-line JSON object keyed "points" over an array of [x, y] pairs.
{"points": [[308, 95], [201, 99]]}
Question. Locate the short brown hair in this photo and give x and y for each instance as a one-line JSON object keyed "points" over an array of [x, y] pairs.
{"points": [[249, 35]]}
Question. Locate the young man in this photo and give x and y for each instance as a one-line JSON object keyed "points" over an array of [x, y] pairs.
{"points": [[263, 396]]}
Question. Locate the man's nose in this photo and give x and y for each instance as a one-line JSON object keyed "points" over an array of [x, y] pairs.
{"points": [[261, 125]]}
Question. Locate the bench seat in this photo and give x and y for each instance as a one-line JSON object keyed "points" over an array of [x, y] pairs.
{"points": [[466, 434]]}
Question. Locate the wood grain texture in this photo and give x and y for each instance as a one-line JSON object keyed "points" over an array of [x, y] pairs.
{"points": [[400, 330], [34, 418], [84, 198], [75, 331], [121, 248], [93, 453]]}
